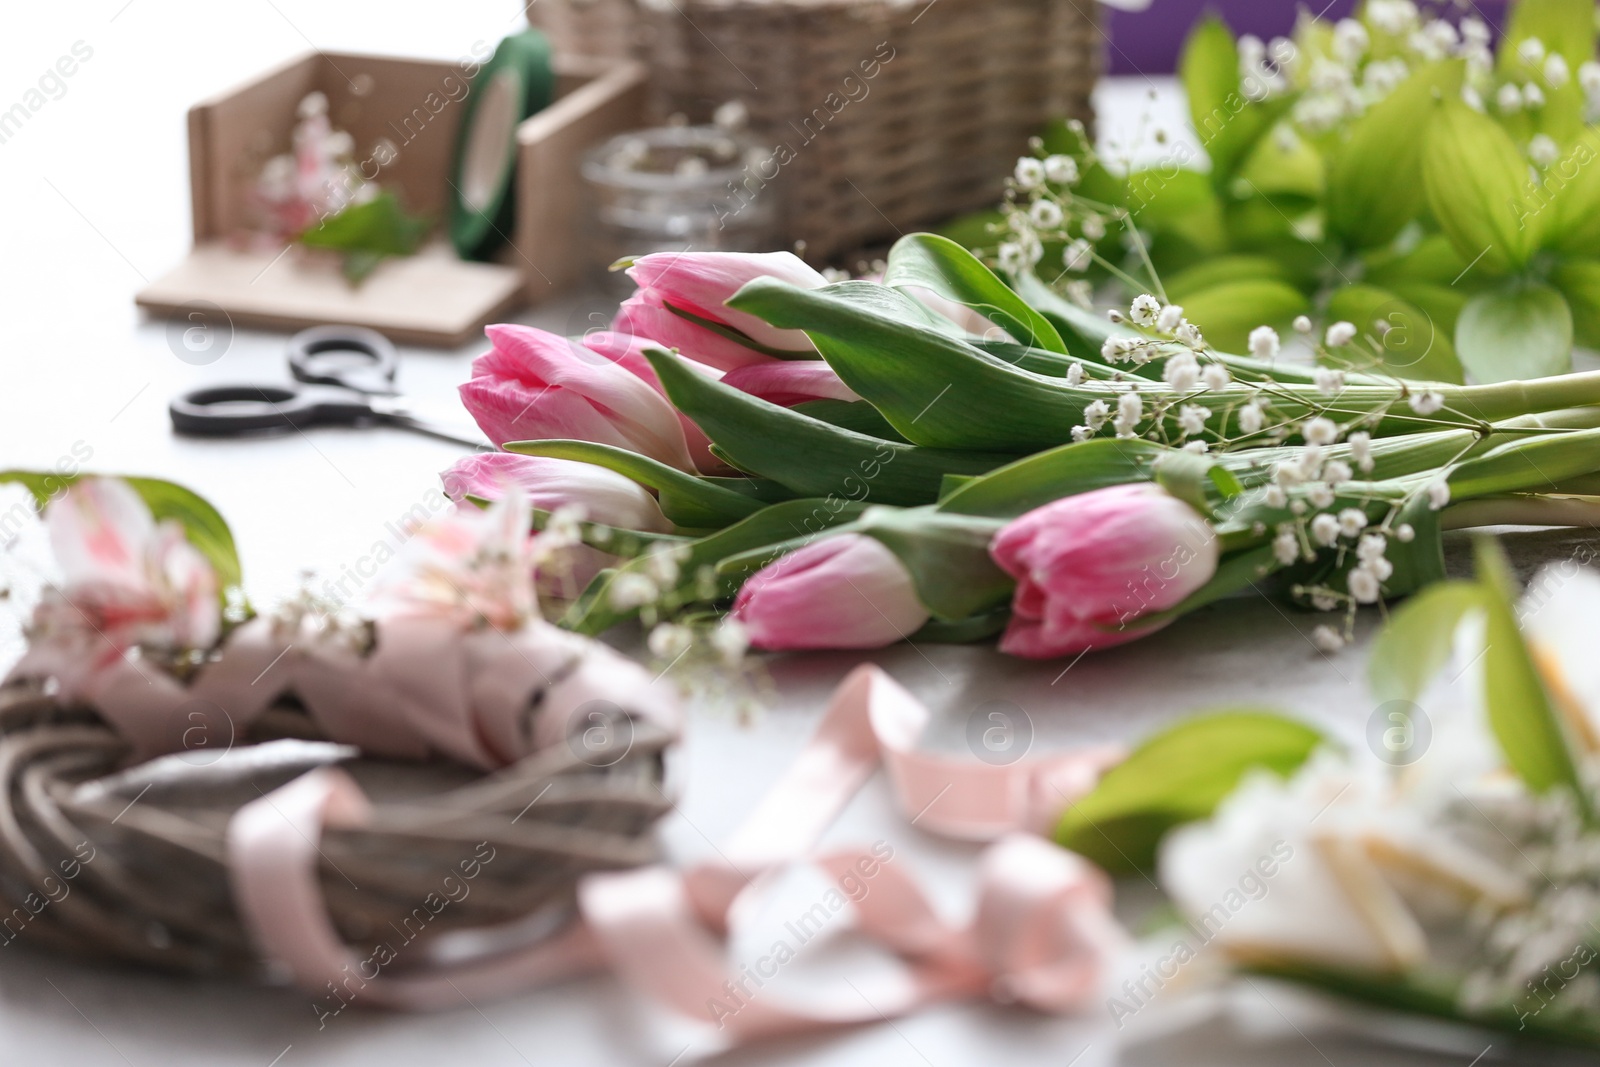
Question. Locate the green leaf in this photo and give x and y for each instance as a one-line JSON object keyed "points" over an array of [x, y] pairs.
{"points": [[367, 233], [1579, 282], [1226, 313], [1434, 260], [1416, 642], [1519, 331], [1536, 464], [1375, 177], [1414, 345], [1193, 479], [1220, 271], [789, 522], [1574, 185], [809, 456], [1177, 203], [944, 267], [856, 415], [1476, 181], [1178, 776], [688, 501], [948, 557], [202, 524], [1564, 26], [1525, 722], [1227, 123], [1059, 472]]}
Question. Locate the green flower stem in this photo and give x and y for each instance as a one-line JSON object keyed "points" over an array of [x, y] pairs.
{"points": [[1522, 510], [1503, 400]]}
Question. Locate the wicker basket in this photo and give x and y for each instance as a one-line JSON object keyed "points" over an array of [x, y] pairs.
{"points": [[129, 863], [895, 114]]}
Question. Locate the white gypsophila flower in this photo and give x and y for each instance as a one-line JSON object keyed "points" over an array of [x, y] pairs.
{"points": [[1144, 309], [1095, 414], [1589, 77], [1438, 494], [1275, 497], [1337, 472], [1405, 533], [1288, 474], [1328, 77], [1326, 638], [1475, 31], [731, 640], [1324, 529], [1264, 342], [1556, 71], [1364, 586], [1012, 259], [1118, 349], [1427, 402], [1372, 546], [1188, 334], [1130, 409], [1320, 430], [1532, 96], [1075, 374], [1215, 376], [1531, 49], [670, 640], [1393, 17], [1192, 418], [1081, 434], [661, 564], [1250, 418], [1045, 214], [1350, 41], [632, 590], [1472, 98], [1340, 334], [1199, 448], [1080, 292], [1093, 227], [1169, 318], [1310, 462], [1352, 521], [1077, 255], [1182, 372], [1543, 150], [1286, 546], [1328, 380], [1379, 567], [1360, 444], [1508, 98], [1061, 170], [1029, 173], [1302, 324], [1320, 494]]}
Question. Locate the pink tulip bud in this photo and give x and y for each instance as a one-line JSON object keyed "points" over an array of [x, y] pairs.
{"points": [[702, 282], [790, 382], [847, 591], [627, 352], [1089, 567], [535, 386], [604, 495]]}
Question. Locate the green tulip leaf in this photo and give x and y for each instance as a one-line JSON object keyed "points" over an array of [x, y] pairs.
{"points": [[1175, 777], [944, 267], [1409, 344], [1516, 332], [1048, 476]]}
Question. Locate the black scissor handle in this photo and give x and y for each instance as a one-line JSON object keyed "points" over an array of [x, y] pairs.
{"points": [[231, 410], [349, 356]]}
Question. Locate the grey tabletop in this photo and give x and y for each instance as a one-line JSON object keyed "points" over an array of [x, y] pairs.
{"points": [[96, 194]]}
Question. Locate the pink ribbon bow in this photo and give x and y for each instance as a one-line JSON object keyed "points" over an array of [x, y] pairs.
{"points": [[1040, 935]]}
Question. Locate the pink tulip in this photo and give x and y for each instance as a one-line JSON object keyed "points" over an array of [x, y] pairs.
{"points": [[126, 580], [605, 496], [701, 283], [1088, 567], [533, 386], [847, 591], [627, 352], [790, 382]]}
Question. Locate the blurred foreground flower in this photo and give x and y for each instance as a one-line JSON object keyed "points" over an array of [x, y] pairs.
{"points": [[604, 495]]}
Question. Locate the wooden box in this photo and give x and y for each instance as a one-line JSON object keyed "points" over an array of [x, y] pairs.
{"points": [[431, 298]]}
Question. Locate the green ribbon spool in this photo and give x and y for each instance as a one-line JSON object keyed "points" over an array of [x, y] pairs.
{"points": [[518, 81]]}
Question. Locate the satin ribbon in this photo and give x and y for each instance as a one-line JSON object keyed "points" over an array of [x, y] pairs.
{"points": [[427, 686], [1040, 932]]}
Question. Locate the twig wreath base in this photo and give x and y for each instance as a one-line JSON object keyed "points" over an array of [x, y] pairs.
{"points": [[130, 862]]}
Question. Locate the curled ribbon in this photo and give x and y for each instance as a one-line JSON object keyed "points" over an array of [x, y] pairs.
{"points": [[1040, 933]]}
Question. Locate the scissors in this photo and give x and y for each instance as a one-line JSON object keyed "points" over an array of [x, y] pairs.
{"points": [[348, 374]]}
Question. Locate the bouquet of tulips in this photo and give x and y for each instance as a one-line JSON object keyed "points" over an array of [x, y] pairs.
{"points": [[941, 454]]}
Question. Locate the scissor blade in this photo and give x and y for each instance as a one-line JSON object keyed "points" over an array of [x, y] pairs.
{"points": [[399, 411]]}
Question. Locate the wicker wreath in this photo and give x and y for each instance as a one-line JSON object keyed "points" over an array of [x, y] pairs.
{"points": [[129, 862]]}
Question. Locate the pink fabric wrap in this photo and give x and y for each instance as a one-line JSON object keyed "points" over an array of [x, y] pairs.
{"points": [[1041, 931]]}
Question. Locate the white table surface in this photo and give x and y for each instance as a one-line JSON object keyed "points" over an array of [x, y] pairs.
{"points": [[94, 201]]}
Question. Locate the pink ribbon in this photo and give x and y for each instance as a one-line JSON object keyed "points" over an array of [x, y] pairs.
{"points": [[1040, 933]]}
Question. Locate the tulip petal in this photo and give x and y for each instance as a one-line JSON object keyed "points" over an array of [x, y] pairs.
{"points": [[847, 591], [702, 282], [790, 382], [605, 496]]}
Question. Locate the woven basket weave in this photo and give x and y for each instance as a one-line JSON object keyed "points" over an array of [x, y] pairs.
{"points": [[130, 862], [933, 135]]}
